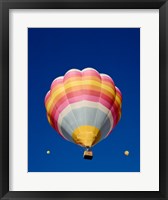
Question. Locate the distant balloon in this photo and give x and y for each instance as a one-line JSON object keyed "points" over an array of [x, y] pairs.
{"points": [[83, 106], [126, 153], [48, 151]]}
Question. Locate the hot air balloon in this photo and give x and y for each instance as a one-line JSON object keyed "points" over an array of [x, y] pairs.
{"points": [[83, 107]]}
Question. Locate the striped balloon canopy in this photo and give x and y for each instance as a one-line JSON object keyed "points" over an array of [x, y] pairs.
{"points": [[83, 106]]}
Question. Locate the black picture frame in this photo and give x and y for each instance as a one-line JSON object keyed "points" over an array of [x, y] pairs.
{"points": [[5, 6]]}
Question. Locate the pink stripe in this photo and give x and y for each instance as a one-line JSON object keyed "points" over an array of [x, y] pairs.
{"points": [[81, 93], [115, 110], [57, 81], [90, 72], [55, 127], [107, 79], [47, 97], [118, 92], [72, 74]]}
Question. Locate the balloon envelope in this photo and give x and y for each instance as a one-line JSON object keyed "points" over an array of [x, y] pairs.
{"points": [[83, 106]]}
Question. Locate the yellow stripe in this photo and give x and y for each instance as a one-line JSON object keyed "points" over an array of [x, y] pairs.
{"points": [[118, 100], [49, 120], [89, 82], [83, 82], [86, 136], [80, 78]]}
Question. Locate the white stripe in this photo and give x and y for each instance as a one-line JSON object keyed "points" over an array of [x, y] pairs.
{"points": [[81, 104]]}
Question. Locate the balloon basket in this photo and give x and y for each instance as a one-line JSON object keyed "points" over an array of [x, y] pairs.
{"points": [[88, 154]]}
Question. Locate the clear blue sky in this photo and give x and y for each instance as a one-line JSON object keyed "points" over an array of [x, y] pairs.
{"points": [[52, 52]]}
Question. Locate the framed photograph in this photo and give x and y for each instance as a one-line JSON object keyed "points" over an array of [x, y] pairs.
{"points": [[83, 99]]}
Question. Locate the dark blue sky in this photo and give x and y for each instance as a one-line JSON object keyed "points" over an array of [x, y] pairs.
{"points": [[52, 52]]}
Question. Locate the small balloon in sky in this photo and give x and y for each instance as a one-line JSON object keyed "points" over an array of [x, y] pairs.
{"points": [[126, 153], [48, 151]]}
